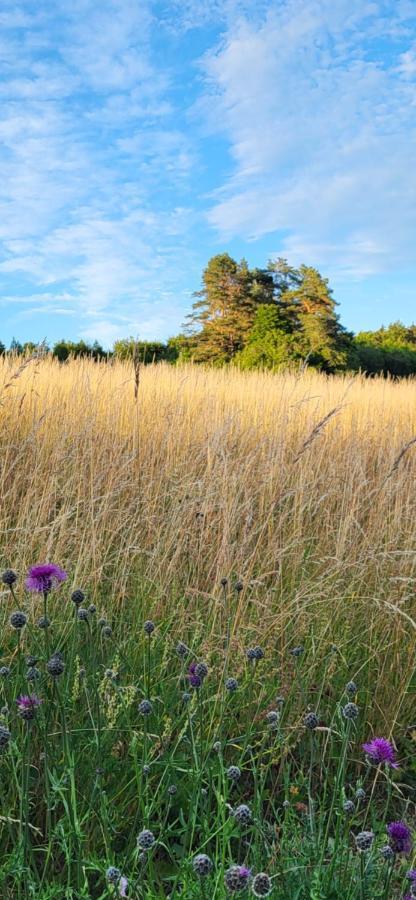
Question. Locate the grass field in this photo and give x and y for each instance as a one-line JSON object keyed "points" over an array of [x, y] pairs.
{"points": [[148, 493]]}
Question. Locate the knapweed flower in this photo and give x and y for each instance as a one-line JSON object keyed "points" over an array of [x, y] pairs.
{"points": [[186, 697], [201, 670], [400, 837], [411, 876], [78, 597], [27, 706], [348, 807], [195, 680], [4, 737], [33, 674], [43, 622], [380, 750], [350, 711], [360, 794], [149, 627], [261, 886], [9, 577], [145, 707], [351, 687], [236, 879], [4, 671], [387, 853], [18, 620], [106, 631], [242, 814], [364, 840], [172, 790], [113, 875], [233, 773], [231, 685], [55, 666], [146, 839], [311, 721], [202, 865], [272, 718], [92, 609], [41, 579], [181, 650], [82, 614]]}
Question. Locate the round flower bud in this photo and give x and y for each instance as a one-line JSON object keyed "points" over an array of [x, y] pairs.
{"points": [[4, 671], [231, 684], [149, 627], [145, 707], [360, 794], [202, 865], [55, 666], [239, 586], [387, 853], [172, 790], [350, 711], [233, 773], [113, 875], [236, 879], [102, 622], [224, 582], [9, 577], [349, 807], [272, 718], [364, 840], [186, 697], [280, 701], [43, 622], [106, 631], [286, 804], [181, 650], [31, 661], [259, 653], [217, 746], [82, 614], [251, 653], [351, 687], [18, 620], [261, 886], [242, 814], [146, 770], [311, 721], [4, 737], [92, 609], [33, 674], [78, 597], [146, 839], [201, 670]]}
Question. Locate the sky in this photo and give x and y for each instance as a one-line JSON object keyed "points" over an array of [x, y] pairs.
{"points": [[140, 137]]}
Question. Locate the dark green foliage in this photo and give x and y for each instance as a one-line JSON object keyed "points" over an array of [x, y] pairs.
{"points": [[63, 349]]}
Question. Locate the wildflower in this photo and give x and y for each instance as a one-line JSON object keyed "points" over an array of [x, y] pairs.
{"points": [[350, 711], [360, 794], [4, 737], [242, 814], [31, 661], [195, 680], [78, 597], [349, 807], [351, 687], [364, 840], [387, 853], [9, 577], [231, 685], [172, 790], [280, 701], [102, 622], [202, 865], [146, 839], [55, 666], [411, 875], [224, 582], [181, 650], [286, 804], [33, 674], [106, 631], [201, 670], [233, 773], [272, 718], [238, 587], [217, 746], [92, 609], [146, 770], [297, 651], [18, 620], [149, 627], [4, 712], [251, 653], [380, 750], [145, 707], [259, 653], [43, 622], [236, 878], [113, 875], [27, 706], [82, 614], [311, 721], [186, 697], [41, 579], [400, 837], [261, 886], [4, 671]]}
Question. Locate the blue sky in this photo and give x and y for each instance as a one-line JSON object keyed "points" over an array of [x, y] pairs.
{"points": [[138, 138]]}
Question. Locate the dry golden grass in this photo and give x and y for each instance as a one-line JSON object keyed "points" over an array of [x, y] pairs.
{"points": [[297, 485]]}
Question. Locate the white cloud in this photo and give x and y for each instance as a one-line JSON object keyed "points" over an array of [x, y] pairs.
{"points": [[318, 127]]}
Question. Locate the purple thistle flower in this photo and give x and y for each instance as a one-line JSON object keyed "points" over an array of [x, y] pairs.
{"points": [[41, 579], [411, 875], [400, 837], [27, 706], [380, 750], [194, 680]]}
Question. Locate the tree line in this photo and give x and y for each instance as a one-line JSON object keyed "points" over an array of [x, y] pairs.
{"points": [[272, 318]]}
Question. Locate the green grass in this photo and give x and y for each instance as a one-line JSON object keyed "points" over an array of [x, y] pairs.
{"points": [[75, 793]]}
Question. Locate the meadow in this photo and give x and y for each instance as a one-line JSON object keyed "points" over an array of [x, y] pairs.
{"points": [[244, 544]]}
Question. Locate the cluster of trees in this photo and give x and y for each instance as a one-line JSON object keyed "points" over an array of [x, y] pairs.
{"points": [[271, 318]]}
